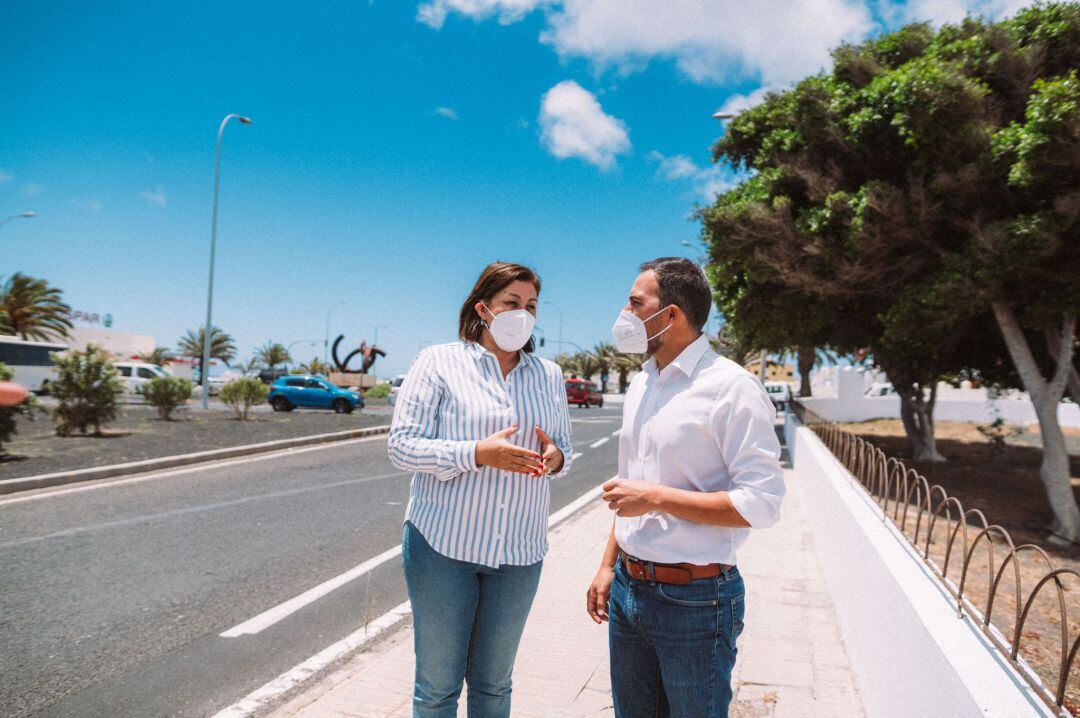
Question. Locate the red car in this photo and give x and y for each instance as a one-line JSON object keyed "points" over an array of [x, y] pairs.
{"points": [[583, 393]]}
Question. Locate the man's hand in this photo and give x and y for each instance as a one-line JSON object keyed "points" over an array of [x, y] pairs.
{"points": [[596, 600], [551, 455], [631, 498]]}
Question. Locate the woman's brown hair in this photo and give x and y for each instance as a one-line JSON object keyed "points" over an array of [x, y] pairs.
{"points": [[496, 277]]}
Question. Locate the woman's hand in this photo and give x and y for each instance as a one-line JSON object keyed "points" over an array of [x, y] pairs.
{"points": [[497, 451], [552, 456], [596, 600]]}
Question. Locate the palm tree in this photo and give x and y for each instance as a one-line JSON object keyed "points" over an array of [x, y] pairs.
{"points": [[606, 354], [159, 355], [221, 346], [316, 366], [624, 364], [31, 309], [271, 354]]}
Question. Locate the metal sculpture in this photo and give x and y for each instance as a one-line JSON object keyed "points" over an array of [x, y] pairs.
{"points": [[368, 353]]}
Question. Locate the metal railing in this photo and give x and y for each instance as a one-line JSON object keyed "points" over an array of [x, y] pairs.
{"points": [[916, 508]]}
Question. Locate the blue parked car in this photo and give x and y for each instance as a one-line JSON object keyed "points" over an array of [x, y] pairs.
{"points": [[313, 392]]}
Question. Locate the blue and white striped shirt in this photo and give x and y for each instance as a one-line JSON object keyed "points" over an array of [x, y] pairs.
{"points": [[453, 396]]}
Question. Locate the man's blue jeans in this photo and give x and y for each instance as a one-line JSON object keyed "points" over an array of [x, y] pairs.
{"points": [[467, 623], [673, 647]]}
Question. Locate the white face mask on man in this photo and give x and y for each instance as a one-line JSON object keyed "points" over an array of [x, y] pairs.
{"points": [[629, 333], [511, 329]]}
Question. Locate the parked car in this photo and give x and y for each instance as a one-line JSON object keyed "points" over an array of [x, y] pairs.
{"points": [[395, 386], [312, 392], [583, 393], [880, 388], [269, 376], [779, 393], [134, 374], [214, 383]]}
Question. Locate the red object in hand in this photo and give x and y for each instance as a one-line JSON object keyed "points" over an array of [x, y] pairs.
{"points": [[12, 393]]}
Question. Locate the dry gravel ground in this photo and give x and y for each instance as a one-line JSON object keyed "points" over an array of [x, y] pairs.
{"points": [[139, 434]]}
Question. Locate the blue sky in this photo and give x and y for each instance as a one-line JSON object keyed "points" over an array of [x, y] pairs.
{"points": [[396, 148]]}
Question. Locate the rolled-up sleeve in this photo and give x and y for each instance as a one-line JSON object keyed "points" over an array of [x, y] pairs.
{"points": [[561, 431], [413, 443], [743, 423]]}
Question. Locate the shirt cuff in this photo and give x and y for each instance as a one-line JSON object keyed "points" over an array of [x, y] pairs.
{"points": [[460, 459], [754, 510]]}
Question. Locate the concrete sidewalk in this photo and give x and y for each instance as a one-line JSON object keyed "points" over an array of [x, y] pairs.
{"points": [[791, 657]]}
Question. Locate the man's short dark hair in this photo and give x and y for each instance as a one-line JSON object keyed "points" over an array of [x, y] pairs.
{"points": [[683, 284]]}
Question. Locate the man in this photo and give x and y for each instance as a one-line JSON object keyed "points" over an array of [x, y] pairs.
{"points": [[698, 468]]}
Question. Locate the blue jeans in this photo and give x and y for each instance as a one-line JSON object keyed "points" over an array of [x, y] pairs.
{"points": [[673, 647], [467, 623]]}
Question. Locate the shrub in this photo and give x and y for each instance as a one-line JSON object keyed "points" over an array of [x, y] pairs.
{"points": [[87, 389], [379, 391], [242, 394], [8, 413], [166, 393]]}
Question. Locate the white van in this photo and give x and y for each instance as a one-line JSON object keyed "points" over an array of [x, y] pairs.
{"points": [[31, 361], [134, 374]]}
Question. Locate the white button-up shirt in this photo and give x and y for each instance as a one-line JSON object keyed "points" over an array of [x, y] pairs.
{"points": [[703, 423], [453, 396]]}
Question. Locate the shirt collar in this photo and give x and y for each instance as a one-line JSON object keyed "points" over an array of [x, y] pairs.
{"points": [[477, 349], [687, 360]]}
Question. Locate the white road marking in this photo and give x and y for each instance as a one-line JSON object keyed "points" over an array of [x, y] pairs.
{"points": [[576, 455], [254, 701], [594, 421], [108, 483], [616, 432], [283, 610], [288, 680], [144, 518], [601, 442]]}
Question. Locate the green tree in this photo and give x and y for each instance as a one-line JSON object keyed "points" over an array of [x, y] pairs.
{"points": [[271, 354], [8, 414], [242, 394], [316, 366], [222, 346], [166, 394], [31, 309], [87, 390], [161, 356]]}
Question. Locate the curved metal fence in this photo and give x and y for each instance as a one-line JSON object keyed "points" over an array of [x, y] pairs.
{"points": [[929, 518]]}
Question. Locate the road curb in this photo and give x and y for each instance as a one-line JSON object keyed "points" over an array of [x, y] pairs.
{"points": [[60, 478]]}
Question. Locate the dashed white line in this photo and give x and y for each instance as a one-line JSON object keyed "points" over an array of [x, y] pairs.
{"points": [[576, 455], [601, 442]]}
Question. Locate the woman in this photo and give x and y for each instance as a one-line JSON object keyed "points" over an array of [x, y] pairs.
{"points": [[483, 424]]}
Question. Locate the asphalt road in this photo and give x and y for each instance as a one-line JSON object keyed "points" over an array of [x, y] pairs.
{"points": [[113, 596]]}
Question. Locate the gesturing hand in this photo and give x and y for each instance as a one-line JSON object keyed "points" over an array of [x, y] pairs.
{"points": [[497, 451], [551, 454], [630, 498]]}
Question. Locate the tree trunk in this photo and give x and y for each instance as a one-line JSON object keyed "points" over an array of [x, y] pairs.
{"points": [[1045, 396], [806, 359], [1053, 347], [917, 415]]}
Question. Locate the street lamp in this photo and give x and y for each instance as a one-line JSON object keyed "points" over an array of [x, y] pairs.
{"points": [[719, 115], [24, 215], [560, 319], [326, 338], [377, 328], [205, 366]]}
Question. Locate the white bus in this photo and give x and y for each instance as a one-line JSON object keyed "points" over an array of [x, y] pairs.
{"points": [[30, 360]]}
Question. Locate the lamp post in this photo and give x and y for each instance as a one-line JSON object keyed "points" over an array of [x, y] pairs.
{"points": [[377, 328], [22, 215], [205, 365], [560, 319], [326, 337]]}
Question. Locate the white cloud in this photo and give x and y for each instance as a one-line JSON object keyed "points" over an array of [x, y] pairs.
{"points": [[32, 189], [6, 176], [737, 103], [573, 124], [938, 12], [433, 13], [155, 199], [448, 112], [707, 182], [674, 168]]}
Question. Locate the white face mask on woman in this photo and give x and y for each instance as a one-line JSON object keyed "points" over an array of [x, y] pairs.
{"points": [[630, 335], [511, 329]]}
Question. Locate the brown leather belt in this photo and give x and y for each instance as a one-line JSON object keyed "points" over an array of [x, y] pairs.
{"points": [[676, 573]]}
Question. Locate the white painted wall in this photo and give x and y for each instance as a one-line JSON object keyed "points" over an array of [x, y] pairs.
{"points": [[848, 403], [911, 655]]}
